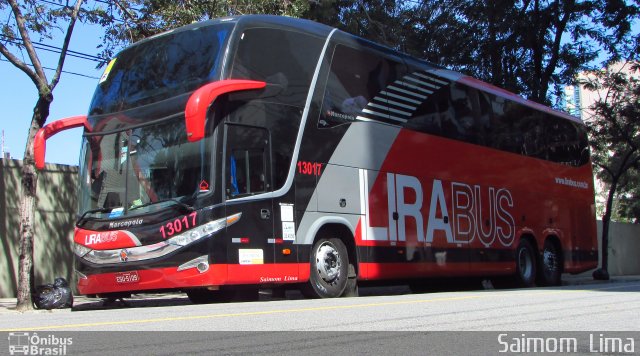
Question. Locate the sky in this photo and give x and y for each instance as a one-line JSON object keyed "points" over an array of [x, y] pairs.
{"points": [[72, 96]]}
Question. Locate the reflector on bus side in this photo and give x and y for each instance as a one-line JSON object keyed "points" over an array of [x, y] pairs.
{"points": [[195, 112], [40, 141]]}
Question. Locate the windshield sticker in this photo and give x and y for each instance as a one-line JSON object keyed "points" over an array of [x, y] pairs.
{"points": [[107, 70], [116, 212]]}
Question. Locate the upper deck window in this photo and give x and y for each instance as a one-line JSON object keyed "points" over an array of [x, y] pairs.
{"points": [[356, 89], [160, 68], [280, 57]]}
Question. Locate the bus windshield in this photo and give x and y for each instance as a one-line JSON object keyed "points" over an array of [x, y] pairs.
{"points": [[161, 68], [140, 169]]}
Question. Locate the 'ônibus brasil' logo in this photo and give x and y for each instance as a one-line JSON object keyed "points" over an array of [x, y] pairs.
{"points": [[472, 212]]}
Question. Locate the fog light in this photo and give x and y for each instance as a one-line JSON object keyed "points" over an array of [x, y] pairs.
{"points": [[202, 267], [201, 264]]}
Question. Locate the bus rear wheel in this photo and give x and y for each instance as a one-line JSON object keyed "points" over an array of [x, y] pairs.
{"points": [[550, 264], [525, 264], [329, 269]]}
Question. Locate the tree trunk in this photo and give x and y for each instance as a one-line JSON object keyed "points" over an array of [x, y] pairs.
{"points": [[28, 207], [603, 272]]}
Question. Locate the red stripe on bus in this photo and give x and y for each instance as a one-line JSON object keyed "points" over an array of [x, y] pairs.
{"points": [[171, 278]]}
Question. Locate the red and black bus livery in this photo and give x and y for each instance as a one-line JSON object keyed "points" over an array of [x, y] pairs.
{"points": [[261, 151]]}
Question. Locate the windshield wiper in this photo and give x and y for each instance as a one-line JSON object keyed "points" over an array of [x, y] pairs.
{"points": [[185, 208]]}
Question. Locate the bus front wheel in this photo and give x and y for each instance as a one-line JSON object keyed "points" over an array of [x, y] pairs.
{"points": [[329, 269]]}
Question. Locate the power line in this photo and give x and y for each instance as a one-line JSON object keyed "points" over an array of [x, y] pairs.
{"points": [[55, 49], [64, 71]]}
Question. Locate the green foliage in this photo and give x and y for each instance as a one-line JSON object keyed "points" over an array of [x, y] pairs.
{"points": [[615, 138], [528, 47], [144, 18]]}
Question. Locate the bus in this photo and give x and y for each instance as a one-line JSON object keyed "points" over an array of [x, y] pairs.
{"points": [[269, 152]]}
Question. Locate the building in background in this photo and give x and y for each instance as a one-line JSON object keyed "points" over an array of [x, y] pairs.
{"points": [[578, 100]]}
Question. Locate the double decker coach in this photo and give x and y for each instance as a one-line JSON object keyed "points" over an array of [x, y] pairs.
{"points": [[263, 151]]}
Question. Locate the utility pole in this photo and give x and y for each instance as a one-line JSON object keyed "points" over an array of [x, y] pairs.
{"points": [[5, 154]]}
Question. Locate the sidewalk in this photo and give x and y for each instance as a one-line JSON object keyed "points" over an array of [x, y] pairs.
{"points": [[81, 303], [587, 278]]}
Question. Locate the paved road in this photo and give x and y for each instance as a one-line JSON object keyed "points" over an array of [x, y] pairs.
{"points": [[610, 306], [384, 321]]}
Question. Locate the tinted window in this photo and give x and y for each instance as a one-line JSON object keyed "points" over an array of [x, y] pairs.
{"points": [[466, 114], [565, 142], [161, 68], [357, 86], [280, 57], [247, 160], [453, 111]]}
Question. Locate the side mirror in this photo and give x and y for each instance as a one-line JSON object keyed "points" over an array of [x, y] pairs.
{"points": [[40, 141], [195, 112]]}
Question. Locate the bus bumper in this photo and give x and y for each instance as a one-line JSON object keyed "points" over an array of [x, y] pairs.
{"points": [[170, 278]]}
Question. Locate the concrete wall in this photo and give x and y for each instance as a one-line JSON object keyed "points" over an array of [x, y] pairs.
{"points": [[624, 248], [54, 223]]}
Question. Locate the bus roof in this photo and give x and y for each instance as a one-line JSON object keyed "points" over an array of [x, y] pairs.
{"points": [[320, 30]]}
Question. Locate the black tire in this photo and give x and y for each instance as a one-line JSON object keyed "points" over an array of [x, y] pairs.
{"points": [[420, 286], [351, 290], [201, 296], [247, 294], [550, 272], [205, 296], [525, 264], [329, 269]]}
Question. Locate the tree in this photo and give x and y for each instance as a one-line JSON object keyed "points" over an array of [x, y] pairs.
{"points": [[150, 17], [615, 138], [529, 47], [36, 18]]}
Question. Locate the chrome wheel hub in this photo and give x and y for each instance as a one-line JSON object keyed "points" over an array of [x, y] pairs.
{"points": [[328, 262]]}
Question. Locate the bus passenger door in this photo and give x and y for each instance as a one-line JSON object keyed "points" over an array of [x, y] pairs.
{"points": [[247, 177]]}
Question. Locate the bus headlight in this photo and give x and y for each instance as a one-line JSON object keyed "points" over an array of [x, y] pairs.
{"points": [[159, 249], [80, 250], [201, 231]]}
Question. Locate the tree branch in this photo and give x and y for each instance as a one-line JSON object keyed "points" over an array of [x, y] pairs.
{"points": [[605, 168], [374, 23], [20, 64], [65, 45], [41, 77], [553, 61]]}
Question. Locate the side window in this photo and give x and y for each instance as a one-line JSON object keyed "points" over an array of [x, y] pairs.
{"points": [[246, 171], [276, 56], [247, 161], [565, 144], [453, 111], [354, 88], [531, 131]]}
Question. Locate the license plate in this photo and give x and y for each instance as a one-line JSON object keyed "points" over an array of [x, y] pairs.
{"points": [[127, 277]]}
